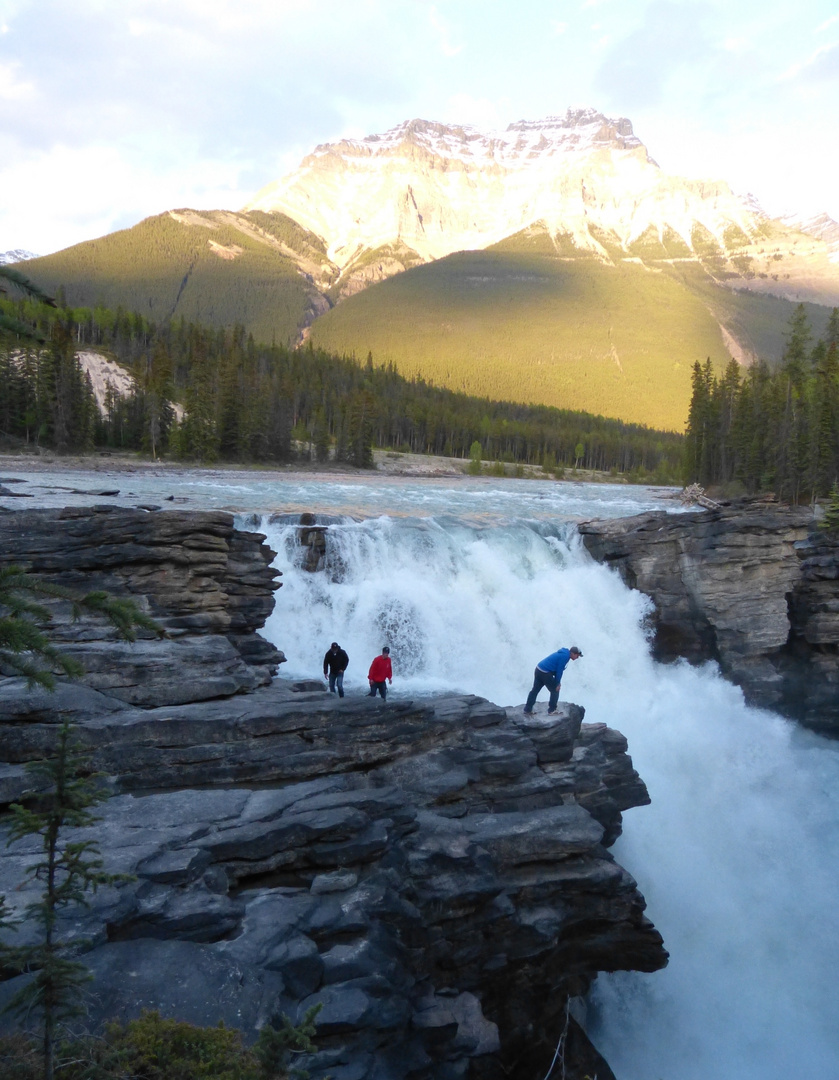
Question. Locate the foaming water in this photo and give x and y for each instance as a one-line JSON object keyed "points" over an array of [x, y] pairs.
{"points": [[737, 855]]}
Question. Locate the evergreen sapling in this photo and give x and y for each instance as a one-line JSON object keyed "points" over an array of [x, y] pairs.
{"points": [[61, 798]]}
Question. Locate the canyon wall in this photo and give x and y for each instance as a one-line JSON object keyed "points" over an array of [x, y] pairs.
{"points": [[754, 586], [434, 873]]}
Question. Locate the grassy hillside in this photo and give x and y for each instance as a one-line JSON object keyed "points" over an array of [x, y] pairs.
{"points": [[532, 327], [197, 265]]}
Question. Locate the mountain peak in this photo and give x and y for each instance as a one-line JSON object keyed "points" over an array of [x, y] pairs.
{"points": [[579, 129], [583, 125], [425, 189]]}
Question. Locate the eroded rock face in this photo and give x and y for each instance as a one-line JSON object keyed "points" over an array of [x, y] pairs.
{"points": [[434, 873], [208, 585], [752, 586]]}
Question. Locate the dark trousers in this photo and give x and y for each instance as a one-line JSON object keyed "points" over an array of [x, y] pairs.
{"points": [[381, 687], [336, 678], [540, 679]]}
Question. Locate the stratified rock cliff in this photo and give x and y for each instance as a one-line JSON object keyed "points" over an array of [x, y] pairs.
{"points": [[209, 586], [753, 586], [434, 873]]}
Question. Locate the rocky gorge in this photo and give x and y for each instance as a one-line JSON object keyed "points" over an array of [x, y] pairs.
{"points": [[435, 873], [751, 585]]}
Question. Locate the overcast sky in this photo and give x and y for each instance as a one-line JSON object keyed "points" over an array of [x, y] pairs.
{"points": [[112, 110]]}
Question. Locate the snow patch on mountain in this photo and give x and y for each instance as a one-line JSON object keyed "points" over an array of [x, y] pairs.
{"points": [[821, 226], [15, 256]]}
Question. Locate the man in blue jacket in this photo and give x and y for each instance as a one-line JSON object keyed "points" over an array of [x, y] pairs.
{"points": [[549, 673]]}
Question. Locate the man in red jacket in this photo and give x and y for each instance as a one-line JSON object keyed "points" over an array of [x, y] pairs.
{"points": [[380, 670]]}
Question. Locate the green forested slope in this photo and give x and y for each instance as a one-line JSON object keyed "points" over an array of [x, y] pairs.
{"points": [[530, 327], [533, 322], [200, 267]]}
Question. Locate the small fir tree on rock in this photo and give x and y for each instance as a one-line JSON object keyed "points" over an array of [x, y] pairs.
{"points": [[830, 521], [61, 798]]}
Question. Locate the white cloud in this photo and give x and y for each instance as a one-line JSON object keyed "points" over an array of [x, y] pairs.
{"points": [[559, 27], [810, 64], [483, 113], [12, 88], [105, 190], [444, 32], [827, 22]]}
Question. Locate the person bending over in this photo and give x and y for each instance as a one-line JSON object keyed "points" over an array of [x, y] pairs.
{"points": [[549, 673]]}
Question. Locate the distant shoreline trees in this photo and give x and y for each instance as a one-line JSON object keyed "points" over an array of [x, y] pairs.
{"points": [[770, 429]]}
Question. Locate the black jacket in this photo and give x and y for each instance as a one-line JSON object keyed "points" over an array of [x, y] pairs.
{"points": [[335, 662]]}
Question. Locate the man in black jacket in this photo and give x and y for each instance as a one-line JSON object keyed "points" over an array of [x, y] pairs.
{"points": [[335, 664]]}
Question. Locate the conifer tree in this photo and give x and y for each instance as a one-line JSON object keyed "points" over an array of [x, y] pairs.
{"points": [[475, 458], [25, 646], [361, 429], [61, 798], [830, 521]]}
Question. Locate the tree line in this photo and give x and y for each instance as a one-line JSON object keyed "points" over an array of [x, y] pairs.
{"points": [[770, 429], [245, 402]]}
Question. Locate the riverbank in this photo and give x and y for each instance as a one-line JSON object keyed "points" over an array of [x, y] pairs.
{"points": [[386, 463]]}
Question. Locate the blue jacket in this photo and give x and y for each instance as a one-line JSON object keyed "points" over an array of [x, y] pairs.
{"points": [[555, 663]]}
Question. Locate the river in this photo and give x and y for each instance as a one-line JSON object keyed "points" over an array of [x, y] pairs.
{"points": [[470, 582]]}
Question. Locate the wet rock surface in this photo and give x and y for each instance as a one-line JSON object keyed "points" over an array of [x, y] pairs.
{"points": [[434, 873], [752, 586]]}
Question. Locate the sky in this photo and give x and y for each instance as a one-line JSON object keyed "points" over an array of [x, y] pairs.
{"points": [[113, 110]]}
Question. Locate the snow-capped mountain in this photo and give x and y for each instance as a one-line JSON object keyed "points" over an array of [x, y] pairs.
{"points": [[821, 226], [424, 190], [17, 255]]}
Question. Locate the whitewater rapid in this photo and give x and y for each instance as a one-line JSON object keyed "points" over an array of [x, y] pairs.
{"points": [[738, 855]]}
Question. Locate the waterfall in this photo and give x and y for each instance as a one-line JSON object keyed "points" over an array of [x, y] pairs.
{"points": [[737, 855]]}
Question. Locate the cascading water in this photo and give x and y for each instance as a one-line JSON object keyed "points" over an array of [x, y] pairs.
{"points": [[737, 855]]}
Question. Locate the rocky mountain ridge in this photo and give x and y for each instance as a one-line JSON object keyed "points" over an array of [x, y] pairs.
{"points": [[424, 190], [16, 255]]}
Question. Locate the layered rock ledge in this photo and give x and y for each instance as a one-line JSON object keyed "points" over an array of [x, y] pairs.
{"points": [[208, 585], [434, 873], [753, 586]]}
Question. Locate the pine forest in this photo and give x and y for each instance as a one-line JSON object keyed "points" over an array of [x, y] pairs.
{"points": [[207, 394], [770, 429]]}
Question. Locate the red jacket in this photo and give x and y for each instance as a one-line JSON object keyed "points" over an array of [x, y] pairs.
{"points": [[380, 669]]}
